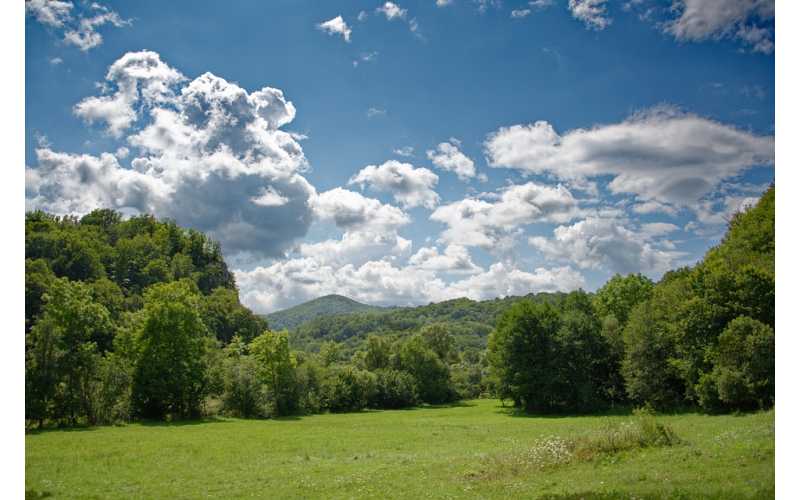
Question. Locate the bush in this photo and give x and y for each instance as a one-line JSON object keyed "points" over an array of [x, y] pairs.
{"points": [[349, 389], [310, 377], [243, 395], [111, 397], [394, 389]]}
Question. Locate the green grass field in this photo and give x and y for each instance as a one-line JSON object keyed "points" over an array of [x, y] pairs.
{"points": [[450, 452]]}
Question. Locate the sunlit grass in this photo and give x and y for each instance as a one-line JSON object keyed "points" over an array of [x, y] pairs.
{"points": [[420, 453]]}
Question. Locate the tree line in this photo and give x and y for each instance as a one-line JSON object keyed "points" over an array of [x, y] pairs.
{"points": [[140, 318], [703, 336]]}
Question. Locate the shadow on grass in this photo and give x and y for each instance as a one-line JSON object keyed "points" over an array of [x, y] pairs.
{"points": [[618, 411], [183, 423], [146, 423], [55, 428], [36, 495], [678, 495]]}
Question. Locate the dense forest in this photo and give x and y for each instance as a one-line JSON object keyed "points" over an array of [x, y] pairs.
{"points": [[140, 318]]}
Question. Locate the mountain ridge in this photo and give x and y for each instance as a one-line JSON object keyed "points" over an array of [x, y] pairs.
{"points": [[327, 305]]}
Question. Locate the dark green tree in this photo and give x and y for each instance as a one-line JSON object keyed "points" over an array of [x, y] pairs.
{"points": [[523, 356], [169, 377]]}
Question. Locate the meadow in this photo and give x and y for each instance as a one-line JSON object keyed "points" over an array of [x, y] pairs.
{"points": [[476, 449]]}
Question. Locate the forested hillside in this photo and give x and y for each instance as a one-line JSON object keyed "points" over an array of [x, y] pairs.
{"points": [[329, 305], [468, 321], [93, 287]]}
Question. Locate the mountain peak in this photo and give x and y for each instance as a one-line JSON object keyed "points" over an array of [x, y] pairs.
{"points": [[326, 305]]}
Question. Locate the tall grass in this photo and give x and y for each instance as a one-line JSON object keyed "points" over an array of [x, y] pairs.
{"points": [[643, 430]]}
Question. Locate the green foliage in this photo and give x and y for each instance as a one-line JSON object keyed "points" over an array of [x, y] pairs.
{"points": [[620, 295], [743, 377], [90, 336], [378, 353], [430, 372], [310, 377], [62, 354], [439, 339], [169, 377], [394, 389], [322, 307], [468, 321], [226, 317], [651, 369], [276, 371], [470, 375], [110, 391], [674, 341], [243, 394], [330, 353], [549, 359], [122, 258], [585, 372], [349, 389], [38, 279]]}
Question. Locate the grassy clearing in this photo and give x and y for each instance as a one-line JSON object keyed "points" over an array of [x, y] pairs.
{"points": [[422, 453]]}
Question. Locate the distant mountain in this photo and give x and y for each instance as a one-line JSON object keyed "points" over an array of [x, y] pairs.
{"points": [[329, 305], [469, 321]]}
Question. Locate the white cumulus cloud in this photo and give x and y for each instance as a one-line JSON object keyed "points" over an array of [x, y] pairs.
{"points": [[494, 224], [209, 155], [411, 187], [659, 155], [448, 157], [78, 28], [611, 244], [139, 77]]}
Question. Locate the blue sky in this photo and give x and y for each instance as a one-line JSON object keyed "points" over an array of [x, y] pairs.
{"points": [[430, 151]]}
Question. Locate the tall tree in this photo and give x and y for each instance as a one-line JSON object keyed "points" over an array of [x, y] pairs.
{"points": [[522, 353], [62, 351], [277, 367], [169, 378]]}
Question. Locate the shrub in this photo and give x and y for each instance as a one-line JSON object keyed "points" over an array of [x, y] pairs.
{"points": [[310, 377], [349, 389], [111, 397], [394, 389], [243, 394]]}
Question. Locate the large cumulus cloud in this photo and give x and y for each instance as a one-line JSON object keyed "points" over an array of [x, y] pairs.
{"points": [[205, 152]]}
